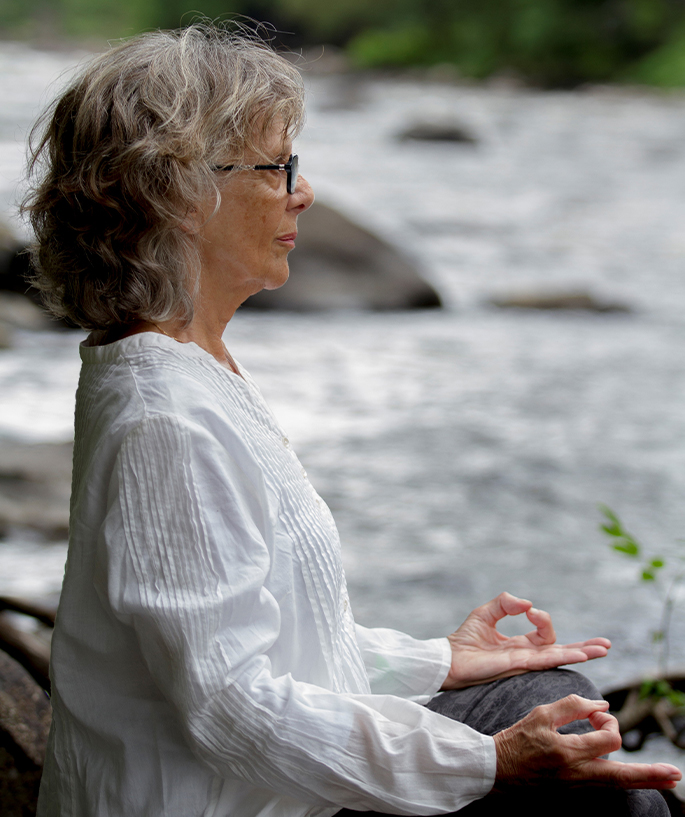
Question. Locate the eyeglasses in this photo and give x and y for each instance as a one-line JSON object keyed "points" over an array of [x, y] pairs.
{"points": [[290, 167]]}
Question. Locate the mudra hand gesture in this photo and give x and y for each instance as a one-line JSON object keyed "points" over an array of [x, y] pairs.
{"points": [[533, 751], [480, 653]]}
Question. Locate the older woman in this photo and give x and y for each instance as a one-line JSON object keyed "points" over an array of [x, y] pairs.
{"points": [[205, 658]]}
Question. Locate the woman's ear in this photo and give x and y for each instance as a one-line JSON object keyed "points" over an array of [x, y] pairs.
{"points": [[192, 222], [196, 218]]}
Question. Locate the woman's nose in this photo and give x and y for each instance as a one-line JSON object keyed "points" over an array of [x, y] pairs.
{"points": [[303, 197]]}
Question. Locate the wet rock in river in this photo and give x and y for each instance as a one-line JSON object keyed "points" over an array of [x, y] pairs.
{"points": [[5, 335], [14, 262], [24, 724], [35, 481], [21, 312], [30, 649], [557, 300], [20, 303], [438, 132], [340, 265]]}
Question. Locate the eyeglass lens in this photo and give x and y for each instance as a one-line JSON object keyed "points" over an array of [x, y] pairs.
{"points": [[292, 174]]}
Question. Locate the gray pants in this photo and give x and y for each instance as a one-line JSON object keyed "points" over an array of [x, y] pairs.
{"points": [[489, 708]]}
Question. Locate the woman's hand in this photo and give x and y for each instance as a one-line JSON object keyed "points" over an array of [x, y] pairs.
{"points": [[533, 752], [481, 654]]}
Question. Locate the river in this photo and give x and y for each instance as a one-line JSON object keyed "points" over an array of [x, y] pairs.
{"points": [[462, 451]]}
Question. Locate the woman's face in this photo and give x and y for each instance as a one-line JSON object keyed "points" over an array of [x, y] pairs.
{"points": [[245, 244]]}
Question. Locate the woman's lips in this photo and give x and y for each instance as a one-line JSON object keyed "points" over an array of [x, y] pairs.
{"points": [[287, 239]]}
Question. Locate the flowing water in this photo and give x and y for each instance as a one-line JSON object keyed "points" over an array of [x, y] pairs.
{"points": [[462, 451]]}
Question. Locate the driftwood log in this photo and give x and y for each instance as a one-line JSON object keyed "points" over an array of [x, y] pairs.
{"points": [[640, 716]]}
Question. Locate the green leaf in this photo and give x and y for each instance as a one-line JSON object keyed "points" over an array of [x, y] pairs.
{"points": [[606, 510], [628, 547], [612, 530], [663, 689], [656, 563], [651, 688], [648, 576], [647, 688], [677, 698]]}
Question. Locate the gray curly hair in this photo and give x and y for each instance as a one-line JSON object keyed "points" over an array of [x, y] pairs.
{"points": [[126, 153]]}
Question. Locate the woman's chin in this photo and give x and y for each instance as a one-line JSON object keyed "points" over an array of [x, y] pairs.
{"points": [[277, 281]]}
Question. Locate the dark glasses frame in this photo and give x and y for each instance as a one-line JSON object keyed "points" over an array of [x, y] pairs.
{"points": [[291, 168]]}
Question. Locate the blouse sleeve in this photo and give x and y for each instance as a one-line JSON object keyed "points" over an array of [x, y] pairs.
{"points": [[187, 554], [398, 664]]}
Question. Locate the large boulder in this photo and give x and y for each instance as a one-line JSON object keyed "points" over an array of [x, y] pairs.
{"points": [[24, 724], [340, 265]]}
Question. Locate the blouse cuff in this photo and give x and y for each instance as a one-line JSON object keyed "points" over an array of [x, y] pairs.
{"points": [[398, 664], [445, 648]]}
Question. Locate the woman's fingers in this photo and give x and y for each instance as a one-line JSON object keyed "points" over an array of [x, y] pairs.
{"points": [[548, 657], [591, 643], [630, 775], [601, 719], [504, 605], [579, 748], [582, 752], [570, 708], [595, 651], [585, 651], [532, 750], [544, 631], [544, 635], [507, 605], [501, 606]]}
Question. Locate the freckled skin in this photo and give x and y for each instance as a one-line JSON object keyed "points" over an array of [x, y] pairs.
{"points": [[241, 247]]}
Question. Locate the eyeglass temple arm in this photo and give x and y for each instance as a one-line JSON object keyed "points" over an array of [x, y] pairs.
{"points": [[252, 167]]}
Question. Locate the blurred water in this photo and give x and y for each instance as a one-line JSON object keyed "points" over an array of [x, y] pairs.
{"points": [[462, 451]]}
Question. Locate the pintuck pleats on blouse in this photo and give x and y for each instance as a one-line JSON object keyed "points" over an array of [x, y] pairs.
{"points": [[205, 659]]}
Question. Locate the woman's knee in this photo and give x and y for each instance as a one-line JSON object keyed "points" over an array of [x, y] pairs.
{"points": [[494, 706]]}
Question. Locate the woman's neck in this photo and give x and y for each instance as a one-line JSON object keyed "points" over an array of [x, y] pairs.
{"points": [[209, 339]]}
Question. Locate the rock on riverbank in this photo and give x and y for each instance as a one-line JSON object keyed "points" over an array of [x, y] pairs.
{"points": [[24, 724]]}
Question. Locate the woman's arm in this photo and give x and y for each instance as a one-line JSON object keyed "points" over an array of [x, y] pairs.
{"points": [[187, 561], [398, 664]]}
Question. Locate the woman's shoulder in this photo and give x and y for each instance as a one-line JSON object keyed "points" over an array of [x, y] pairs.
{"points": [[148, 376], [158, 370]]}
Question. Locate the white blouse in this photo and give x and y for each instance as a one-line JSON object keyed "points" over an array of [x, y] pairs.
{"points": [[205, 661]]}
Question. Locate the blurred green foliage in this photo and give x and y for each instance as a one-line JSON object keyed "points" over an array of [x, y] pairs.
{"points": [[654, 570], [549, 42]]}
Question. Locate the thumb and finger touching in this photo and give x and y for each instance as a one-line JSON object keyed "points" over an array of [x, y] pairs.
{"points": [[533, 751]]}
